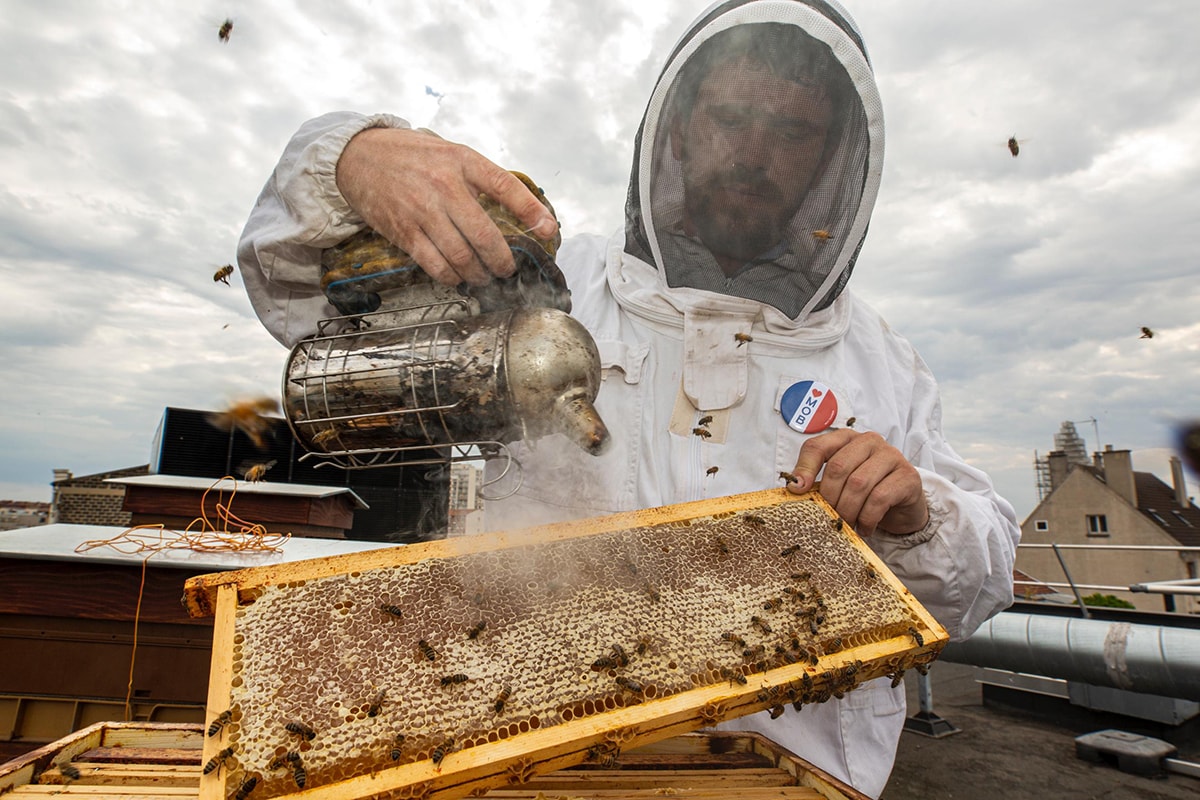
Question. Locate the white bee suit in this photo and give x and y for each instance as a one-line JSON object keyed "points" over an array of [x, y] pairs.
{"points": [[680, 340]]}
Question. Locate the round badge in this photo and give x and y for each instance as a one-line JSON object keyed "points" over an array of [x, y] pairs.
{"points": [[808, 406]]}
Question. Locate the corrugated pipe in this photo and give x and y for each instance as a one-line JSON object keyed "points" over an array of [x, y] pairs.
{"points": [[1151, 659]]}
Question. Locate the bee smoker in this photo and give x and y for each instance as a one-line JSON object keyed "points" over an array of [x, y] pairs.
{"points": [[412, 365]]}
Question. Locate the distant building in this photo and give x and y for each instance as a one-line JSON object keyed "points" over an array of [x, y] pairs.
{"points": [[1107, 502], [88, 500], [23, 514], [466, 501]]}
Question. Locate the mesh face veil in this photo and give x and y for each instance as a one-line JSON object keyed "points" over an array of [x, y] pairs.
{"points": [[759, 157]]}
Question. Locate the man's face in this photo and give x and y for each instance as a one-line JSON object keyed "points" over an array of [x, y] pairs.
{"points": [[750, 150]]}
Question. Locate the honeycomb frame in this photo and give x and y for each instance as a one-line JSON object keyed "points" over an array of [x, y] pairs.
{"points": [[452, 667]]}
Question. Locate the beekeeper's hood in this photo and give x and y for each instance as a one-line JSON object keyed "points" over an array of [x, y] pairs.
{"points": [[758, 160]]}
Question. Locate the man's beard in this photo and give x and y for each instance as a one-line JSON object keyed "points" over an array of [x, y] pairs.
{"points": [[729, 229]]}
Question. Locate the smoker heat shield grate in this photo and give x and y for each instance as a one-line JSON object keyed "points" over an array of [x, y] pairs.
{"points": [[447, 668]]}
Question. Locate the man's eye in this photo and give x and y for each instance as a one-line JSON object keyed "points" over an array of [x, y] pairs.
{"points": [[729, 121], [796, 133]]}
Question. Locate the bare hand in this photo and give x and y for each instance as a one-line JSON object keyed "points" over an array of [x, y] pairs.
{"points": [[420, 192], [868, 482]]}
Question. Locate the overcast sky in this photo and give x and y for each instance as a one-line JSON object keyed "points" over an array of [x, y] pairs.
{"points": [[134, 143]]}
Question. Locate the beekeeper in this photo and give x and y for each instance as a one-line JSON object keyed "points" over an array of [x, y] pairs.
{"points": [[724, 297]]}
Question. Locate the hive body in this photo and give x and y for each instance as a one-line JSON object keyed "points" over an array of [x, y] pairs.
{"points": [[518, 654]]}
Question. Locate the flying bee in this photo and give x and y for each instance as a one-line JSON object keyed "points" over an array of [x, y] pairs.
{"points": [[254, 473], [225, 29], [789, 550], [501, 699], [388, 608], [917, 637], [761, 624], [428, 652], [1146, 333], [220, 721], [477, 629], [630, 685], [711, 471], [397, 743], [620, 656], [705, 420], [822, 235], [376, 704], [222, 275], [742, 338], [70, 772], [300, 729], [850, 421], [246, 788], [1014, 146], [321, 437], [733, 639], [248, 417], [454, 680], [787, 477], [441, 750], [216, 761], [703, 433], [772, 605], [733, 675]]}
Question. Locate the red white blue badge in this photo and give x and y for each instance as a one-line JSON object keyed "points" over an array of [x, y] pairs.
{"points": [[808, 407]]}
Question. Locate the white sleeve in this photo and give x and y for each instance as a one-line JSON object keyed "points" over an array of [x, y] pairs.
{"points": [[299, 213], [960, 566]]}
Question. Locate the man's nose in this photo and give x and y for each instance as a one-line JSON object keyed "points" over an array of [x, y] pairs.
{"points": [[754, 147]]}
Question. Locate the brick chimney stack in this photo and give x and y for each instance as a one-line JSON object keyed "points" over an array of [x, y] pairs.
{"points": [[1118, 473]]}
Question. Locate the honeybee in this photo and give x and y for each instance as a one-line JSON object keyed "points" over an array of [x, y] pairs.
{"points": [[477, 629], [216, 761], [247, 417], [772, 605], [246, 788], [834, 645], [223, 274], [1146, 333], [822, 235], [441, 750], [801, 576], [620, 656], [376, 704], [870, 573], [850, 421], [397, 743], [630, 685], [388, 608], [761, 624], [751, 653], [917, 637], [652, 590], [897, 678], [454, 680], [795, 593], [705, 420], [733, 675], [776, 712], [225, 29], [787, 477], [742, 338], [703, 433], [219, 722], [256, 472], [722, 545], [711, 471], [299, 775], [321, 437], [789, 550], [427, 651], [501, 699], [812, 626], [837, 523], [1014, 146], [604, 663], [70, 772], [734, 639], [753, 519], [644, 644], [300, 729]]}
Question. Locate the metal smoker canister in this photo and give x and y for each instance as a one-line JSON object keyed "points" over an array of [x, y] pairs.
{"points": [[516, 374]]}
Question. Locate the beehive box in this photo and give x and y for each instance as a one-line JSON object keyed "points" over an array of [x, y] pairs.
{"points": [[449, 668]]}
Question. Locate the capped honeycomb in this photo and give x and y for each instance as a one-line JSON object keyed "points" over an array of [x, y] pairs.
{"points": [[585, 639]]}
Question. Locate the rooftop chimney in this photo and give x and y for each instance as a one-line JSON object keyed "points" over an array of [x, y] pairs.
{"points": [[1060, 467], [1181, 495], [1118, 473], [61, 475]]}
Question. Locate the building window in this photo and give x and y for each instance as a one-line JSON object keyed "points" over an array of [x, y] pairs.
{"points": [[1041, 525], [1182, 518], [1097, 525]]}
